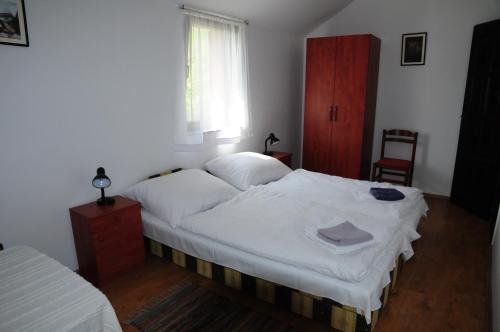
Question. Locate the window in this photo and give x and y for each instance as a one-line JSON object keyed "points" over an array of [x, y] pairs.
{"points": [[216, 101]]}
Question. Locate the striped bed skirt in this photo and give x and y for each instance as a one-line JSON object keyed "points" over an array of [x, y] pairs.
{"points": [[324, 310]]}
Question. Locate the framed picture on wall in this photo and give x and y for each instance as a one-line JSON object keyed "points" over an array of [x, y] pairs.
{"points": [[413, 47], [13, 29]]}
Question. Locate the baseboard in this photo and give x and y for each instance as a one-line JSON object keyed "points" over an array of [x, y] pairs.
{"points": [[437, 196]]}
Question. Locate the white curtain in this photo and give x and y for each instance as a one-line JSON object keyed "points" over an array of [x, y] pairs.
{"points": [[216, 107]]}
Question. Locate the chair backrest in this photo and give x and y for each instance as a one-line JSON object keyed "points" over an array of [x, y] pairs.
{"points": [[401, 136]]}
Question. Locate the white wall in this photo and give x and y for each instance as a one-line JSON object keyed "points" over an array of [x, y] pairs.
{"points": [[427, 98], [95, 88], [495, 277]]}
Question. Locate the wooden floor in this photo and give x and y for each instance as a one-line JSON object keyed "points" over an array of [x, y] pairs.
{"points": [[444, 287]]}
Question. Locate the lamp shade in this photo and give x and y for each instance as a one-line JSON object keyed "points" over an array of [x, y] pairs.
{"points": [[101, 180], [273, 139]]}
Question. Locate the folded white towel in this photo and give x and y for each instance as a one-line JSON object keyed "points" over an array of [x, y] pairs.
{"points": [[344, 234], [311, 232]]}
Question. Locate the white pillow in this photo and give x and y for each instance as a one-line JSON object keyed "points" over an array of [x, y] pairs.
{"points": [[175, 196], [246, 169]]}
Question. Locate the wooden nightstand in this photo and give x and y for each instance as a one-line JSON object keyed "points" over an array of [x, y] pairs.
{"points": [[108, 239], [284, 157]]}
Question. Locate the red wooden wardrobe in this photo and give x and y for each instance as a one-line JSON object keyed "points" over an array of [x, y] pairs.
{"points": [[340, 99]]}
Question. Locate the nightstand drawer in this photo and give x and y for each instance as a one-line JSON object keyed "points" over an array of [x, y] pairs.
{"points": [[112, 248], [105, 230], [112, 265]]}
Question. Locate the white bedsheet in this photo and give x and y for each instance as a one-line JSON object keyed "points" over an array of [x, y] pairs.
{"points": [[39, 294]]}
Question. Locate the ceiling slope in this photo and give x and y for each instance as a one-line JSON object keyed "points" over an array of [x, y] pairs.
{"points": [[293, 16]]}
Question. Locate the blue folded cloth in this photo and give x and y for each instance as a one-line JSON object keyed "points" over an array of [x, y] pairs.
{"points": [[387, 194], [344, 234]]}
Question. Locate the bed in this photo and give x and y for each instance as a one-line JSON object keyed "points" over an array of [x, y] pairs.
{"points": [[39, 294], [257, 241]]}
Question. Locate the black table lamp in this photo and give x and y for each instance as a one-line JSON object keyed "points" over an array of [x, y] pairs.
{"points": [[273, 140], [102, 181]]}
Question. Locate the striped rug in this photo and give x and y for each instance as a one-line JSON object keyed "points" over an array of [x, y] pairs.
{"points": [[190, 307]]}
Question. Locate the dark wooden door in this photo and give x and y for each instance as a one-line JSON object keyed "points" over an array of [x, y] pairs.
{"points": [[320, 73], [477, 167], [349, 102]]}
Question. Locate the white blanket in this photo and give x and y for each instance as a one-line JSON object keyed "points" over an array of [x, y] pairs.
{"points": [[39, 294], [270, 224], [353, 198]]}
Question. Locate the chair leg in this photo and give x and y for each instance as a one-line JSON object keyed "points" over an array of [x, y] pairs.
{"points": [[374, 174], [411, 176]]}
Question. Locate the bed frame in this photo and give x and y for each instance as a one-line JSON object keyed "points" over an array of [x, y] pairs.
{"points": [[324, 310]]}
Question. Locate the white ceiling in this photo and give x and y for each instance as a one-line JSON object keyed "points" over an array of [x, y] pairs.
{"points": [[294, 16]]}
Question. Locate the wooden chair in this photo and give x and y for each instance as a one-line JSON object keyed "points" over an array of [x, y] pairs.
{"points": [[393, 166]]}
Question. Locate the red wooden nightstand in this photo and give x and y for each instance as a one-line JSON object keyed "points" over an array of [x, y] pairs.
{"points": [[108, 239], [284, 157]]}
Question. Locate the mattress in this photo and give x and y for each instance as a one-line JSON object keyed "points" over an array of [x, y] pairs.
{"points": [[363, 295], [39, 294]]}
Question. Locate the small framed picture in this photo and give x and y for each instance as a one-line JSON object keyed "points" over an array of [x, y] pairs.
{"points": [[13, 29], [413, 48]]}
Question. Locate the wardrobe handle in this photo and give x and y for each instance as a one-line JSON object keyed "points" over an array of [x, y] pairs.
{"points": [[335, 111], [331, 113]]}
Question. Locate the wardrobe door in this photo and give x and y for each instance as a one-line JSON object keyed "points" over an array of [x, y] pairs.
{"points": [[476, 180], [320, 73], [351, 68]]}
